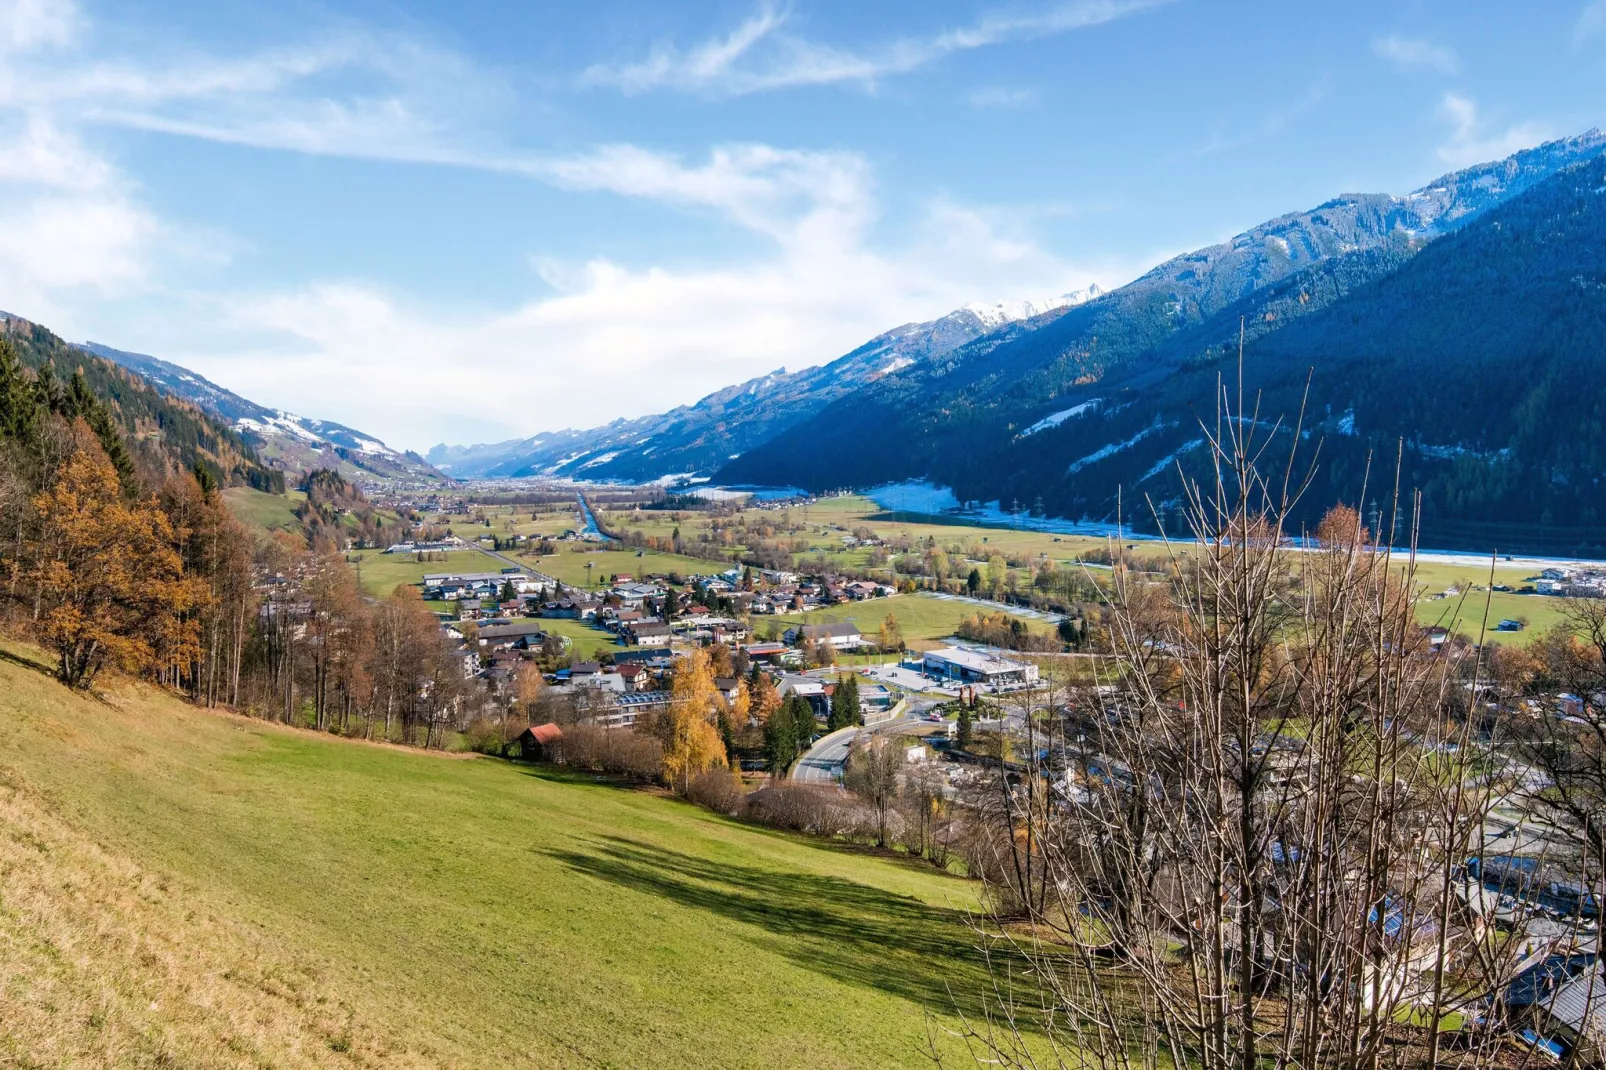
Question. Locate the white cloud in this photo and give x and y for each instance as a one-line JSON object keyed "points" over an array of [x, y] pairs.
{"points": [[1414, 52], [76, 241], [1002, 96], [1472, 142], [775, 59], [29, 24], [416, 375], [68, 223]]}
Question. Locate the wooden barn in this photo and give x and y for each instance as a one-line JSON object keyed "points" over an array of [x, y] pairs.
{"points": [[536, 742]]}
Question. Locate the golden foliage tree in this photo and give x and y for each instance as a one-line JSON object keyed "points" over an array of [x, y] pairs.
{"points": [[106, 574], [763, 699], [890, 637], [691, 742]]}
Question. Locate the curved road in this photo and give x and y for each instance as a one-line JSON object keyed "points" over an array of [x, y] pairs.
{"points": [[822, 763]]}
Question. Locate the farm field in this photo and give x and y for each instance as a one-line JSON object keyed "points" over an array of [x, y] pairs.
{"points": [[259, 509], [382, 573], [570, 567], [585, 641], [824, 522], [249, 895], [1464, 615], [925, 620]]}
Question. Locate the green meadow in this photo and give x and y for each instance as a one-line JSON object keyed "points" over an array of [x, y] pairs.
{"points": [[925, 620], [185, 888], [382, 573]]}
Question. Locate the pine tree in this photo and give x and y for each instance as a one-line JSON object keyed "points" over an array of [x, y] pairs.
{"points": [[780, 740], [963, 738], [803, 722], [19, 409], [845, 703]]}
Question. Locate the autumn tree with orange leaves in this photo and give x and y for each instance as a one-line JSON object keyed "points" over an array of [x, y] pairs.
{"points": [[106, 575], [691, 742]]}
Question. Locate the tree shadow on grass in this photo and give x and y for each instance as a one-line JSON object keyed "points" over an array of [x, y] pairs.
{"points": [[44, 668], [849, 932], [562, 775]]}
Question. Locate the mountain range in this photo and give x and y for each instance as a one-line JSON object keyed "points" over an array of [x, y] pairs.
{"points": [[972, 403], [702, 437], [1451, 334], [296, 444]]}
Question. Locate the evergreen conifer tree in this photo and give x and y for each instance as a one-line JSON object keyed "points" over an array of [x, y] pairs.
{"points": [[845, 703]]}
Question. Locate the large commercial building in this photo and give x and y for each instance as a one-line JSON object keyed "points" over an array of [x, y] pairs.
{"points": [[978, 667]]}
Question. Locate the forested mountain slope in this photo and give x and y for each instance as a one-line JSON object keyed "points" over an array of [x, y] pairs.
{"points": [[298, 444], [1479, 363], [938, 419], [166, 434]]}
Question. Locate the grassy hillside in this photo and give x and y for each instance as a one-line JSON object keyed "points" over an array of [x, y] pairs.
{"points": [[186, 888], [259, 509]]}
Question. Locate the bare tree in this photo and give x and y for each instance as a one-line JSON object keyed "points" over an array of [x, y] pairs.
{"points": [[1251, 856], [871, 772]]}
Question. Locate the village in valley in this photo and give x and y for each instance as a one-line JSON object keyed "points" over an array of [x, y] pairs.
{"points": [[605, 644]]}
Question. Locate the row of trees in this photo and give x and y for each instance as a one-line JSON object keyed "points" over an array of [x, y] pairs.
{"points": [[110, 560]]}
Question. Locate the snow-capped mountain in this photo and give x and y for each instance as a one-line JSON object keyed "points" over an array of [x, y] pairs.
{"points": [[998, 313], [720, 427], [285, 440], [946, 421]]}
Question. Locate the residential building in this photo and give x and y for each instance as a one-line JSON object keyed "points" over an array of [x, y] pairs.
{"points": [[842, 634]]}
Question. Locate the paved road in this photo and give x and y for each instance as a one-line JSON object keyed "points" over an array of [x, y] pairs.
{"points": [[822, 763], [497, 555]]}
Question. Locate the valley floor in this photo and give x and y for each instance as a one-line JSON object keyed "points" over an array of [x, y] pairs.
{"points": [[180, 887]]}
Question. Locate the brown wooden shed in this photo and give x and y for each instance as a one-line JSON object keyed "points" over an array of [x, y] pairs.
{"points": [[536, 742]]}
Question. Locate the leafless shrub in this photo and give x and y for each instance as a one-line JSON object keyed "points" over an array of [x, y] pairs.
{"points": [[612, 750], [788, 804], [719, 790]]}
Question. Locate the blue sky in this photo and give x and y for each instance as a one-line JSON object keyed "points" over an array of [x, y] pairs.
{"points": [[476, 220]]}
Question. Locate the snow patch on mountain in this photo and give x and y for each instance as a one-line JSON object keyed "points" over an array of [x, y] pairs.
{"points": [[997, 313], [1165, 462], [1112, 449], [1054, 419]]}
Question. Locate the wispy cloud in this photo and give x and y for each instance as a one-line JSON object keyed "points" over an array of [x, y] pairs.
{"points": [[761, 55], [1591, 22], [1272, 124], [1415, 53], [78, 242], [1472, 141]]}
